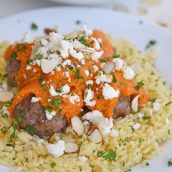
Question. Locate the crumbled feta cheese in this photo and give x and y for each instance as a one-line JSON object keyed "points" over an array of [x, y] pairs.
{"points": [[28, 67], [67, 74], [140, 115], [89, 82], [87, 32], [96, 117], [74, 98], [96, 44], [4, 86], [96, 55], [95, 68], [86, 72], [114, 133], [136, 126], [26, 39], [78, 55], [128, 73], [156, 107], [89, 94], [83, 62], [109, 92], [102, 77], [82, 158], [35, 99], [66, 62], [56, 149], [63, 90], [50, 115], [118, 63]]}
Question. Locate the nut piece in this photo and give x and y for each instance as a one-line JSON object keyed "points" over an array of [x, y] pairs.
{"points": [[6, 96], [48, 65], [71, 147], [96, 136], [134, 104], [77, 125]]}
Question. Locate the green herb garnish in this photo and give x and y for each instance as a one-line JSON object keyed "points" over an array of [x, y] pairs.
{"points": [[53, 164], [105, 60], [169, 163], [83, 41], [77, 74], [111, 155], [30, 129], [139, 85], [21, 116], [4, 130], [34, 26], [170, 102], [146, 118], [21, 48], [12, 136], [13, 54], [39, 56], [116, 56], [127, 139], [150, 44], [114, 80]]}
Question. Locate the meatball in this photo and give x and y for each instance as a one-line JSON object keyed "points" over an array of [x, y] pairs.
{"points": [[13, 66], [122, 108], [31, 116]]}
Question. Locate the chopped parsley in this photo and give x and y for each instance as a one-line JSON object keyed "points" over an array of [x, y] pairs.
{"points": [[42, 82], [21, 48], [116, 56], [110, 155], [139, 85], [170, 102], [39, 56], [53, 164], [77, 22], [13, 54], [20, 116], [169, 163], [34, 26], [153, 100], [49, 108], [12, 136], [77, 74], [147, 164], [128, 170], [114, 80], [4, 130], [146, 117], [6, 104], [150, 44], [169, 132], [30, 129], [127, 139], [55, 102], [83, 41], [105, 60], [141, 140], [132, 129]]}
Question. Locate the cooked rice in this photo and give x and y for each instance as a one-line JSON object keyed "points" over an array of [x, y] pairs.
{"points": [[131, 146]]}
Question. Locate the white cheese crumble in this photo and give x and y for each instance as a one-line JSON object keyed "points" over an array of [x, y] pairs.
{"points": [[83, 62], [86, 72], [156, 107], [28, 67], [88, 96], [66, 62], [26, 39], [96, 117], [50, 115], [63, 90], [78, 55], [96, 44], [89, 82], [82, 158], [56, 149], [74, 98], [114, 133], [118, 63], [140, 115], [35, 99], [102, 77], [95, 68], [128, 73], [136, 126], [96, 55], [109, 92]]}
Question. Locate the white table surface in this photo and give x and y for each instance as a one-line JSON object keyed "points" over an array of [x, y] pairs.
{"points": [[158, 13]]}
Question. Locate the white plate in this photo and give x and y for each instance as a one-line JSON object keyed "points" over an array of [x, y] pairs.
{"points": [[119, 25], [82, 2]]}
